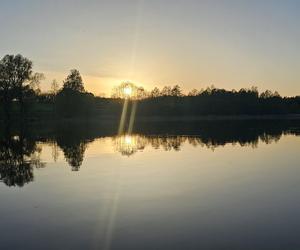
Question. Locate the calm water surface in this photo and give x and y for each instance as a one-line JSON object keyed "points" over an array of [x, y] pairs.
{"points": [[208, 189]]}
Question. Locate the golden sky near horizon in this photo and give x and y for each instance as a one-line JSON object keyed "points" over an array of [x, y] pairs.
{"points": [[228, 44]]}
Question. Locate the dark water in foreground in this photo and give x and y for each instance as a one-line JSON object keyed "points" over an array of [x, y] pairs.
{"points": [[206, 185]]}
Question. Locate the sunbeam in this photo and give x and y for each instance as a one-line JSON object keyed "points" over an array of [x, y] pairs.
{"points": [[132, 116], [123, 117]]}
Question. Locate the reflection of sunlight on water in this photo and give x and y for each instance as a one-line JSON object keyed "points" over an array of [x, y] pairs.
{"points": [[16, 138], [129, 144], [128, 139]]}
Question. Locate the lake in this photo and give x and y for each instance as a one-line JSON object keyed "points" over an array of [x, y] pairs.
{"points": [[177, 185]]}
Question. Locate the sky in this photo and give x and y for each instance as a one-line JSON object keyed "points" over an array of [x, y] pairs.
{"points": [[193, 43]]}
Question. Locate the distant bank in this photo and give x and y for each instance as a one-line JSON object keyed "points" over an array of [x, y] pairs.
{"points": [[109, 119], [22, 99]]}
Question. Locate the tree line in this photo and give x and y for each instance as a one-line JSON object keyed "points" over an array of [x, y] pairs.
{"points": [[20, 93], [20, 96]]}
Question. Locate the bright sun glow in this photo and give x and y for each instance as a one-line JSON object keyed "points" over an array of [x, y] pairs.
{"points": [[128, 91], [128, 139]]}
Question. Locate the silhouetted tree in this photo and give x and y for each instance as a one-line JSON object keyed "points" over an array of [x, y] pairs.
{"points": [[155, 93], [54, 87], [194, 92], [18, 85], [35, 82], [15, 71], [128, 90], [141, 93], [69, 103], [166, 91], [74, 81], [176, 91], [5, 91], [72, 100]]}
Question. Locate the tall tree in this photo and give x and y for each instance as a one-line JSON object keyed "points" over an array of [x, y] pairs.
{"points": [[74, 81], [128, 90], [155, 92], [5, 91], [166, 91], [35, 82], [176, 91], [194, 92], [15, 71], [54, 87]]}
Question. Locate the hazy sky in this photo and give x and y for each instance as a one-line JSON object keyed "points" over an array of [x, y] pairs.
{"points": [[194, 43]]}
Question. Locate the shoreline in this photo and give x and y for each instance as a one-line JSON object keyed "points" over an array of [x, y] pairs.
{"points": [[220, 118], [114, 119]]}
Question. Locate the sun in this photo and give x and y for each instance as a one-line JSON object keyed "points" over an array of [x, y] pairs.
{"points": [[128, 91]]}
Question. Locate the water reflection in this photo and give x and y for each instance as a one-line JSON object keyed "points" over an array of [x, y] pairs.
{"points": [[18, 156], [20, 150], [129, 144], [73, 149], [72, 140]]}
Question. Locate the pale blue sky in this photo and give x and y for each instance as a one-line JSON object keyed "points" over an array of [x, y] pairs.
{"points": [[230, 44]]}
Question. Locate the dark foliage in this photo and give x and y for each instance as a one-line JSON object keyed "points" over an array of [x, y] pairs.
{"points": [[17, 159], [70, 103], [19, 91], [73, 140], [220, 102], [15, 72], [74, 81]]}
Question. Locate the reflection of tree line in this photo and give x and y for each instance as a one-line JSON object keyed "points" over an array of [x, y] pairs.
{"points": [[18, 157], [20, 150], [73, 150], [210, 134], [72, 141], [130, 144], [20, 154]]}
